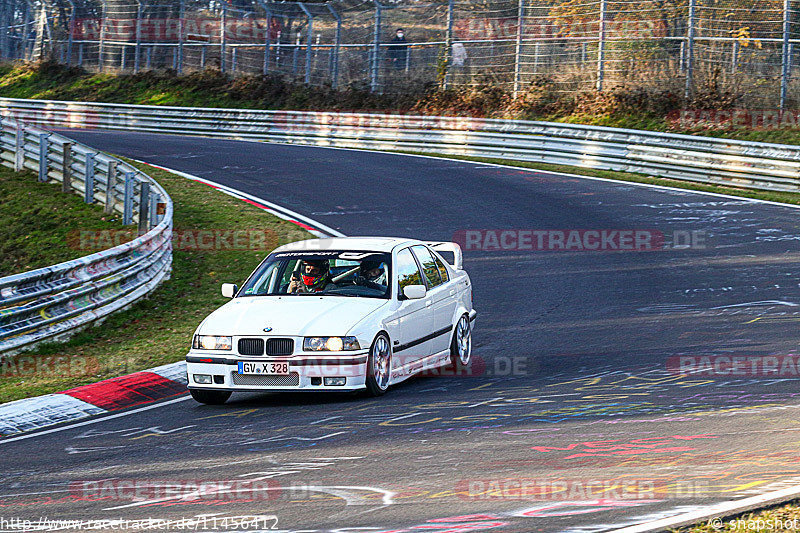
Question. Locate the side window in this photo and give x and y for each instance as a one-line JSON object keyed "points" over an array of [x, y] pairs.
{"points": [[442, 270], [407, 270], [429, 267]]}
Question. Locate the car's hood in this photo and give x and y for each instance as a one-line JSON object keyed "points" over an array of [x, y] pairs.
{"points": [[289, 315]]}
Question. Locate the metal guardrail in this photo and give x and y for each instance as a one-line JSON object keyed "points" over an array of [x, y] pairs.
{"points": [[684, 157], [52, 302]]}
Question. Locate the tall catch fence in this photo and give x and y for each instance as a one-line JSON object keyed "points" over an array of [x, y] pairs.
{"points": [[745, 47]]}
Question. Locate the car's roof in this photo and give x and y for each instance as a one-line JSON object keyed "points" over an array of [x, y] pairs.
{"points": [[367, 244]]}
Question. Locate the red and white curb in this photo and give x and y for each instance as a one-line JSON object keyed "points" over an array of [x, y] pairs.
{"points": [[99, 398], [138, 388]]}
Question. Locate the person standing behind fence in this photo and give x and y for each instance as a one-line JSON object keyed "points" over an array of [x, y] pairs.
{"points": [[398, 50], [459, 57]]}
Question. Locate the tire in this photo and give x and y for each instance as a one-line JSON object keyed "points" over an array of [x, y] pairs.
{"points": [[379, 365], [461, 345], [210, 397]]}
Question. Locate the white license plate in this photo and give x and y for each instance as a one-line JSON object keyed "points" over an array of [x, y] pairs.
{"points": [[248, 367]]}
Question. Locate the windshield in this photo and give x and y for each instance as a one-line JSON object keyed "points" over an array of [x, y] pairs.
{"points": [[336, 273]]}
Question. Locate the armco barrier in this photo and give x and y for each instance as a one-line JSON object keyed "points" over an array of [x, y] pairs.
{"points": [[684, 157], [54, 301]]}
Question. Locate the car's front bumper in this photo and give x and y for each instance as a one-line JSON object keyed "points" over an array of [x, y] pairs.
{"points": [[306, 372]]}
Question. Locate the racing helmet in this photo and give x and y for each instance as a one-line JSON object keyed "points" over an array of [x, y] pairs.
{"points": [[370, 265], [318, 281]]}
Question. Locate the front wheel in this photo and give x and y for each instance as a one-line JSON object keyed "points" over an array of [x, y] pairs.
{"points": [[210, 397], [461, 346], [379, 365]]}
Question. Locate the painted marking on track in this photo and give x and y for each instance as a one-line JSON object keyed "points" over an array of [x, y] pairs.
{"points": [[96, 420], [345, 492], [73, 450], [156, 432], [482, 386], [326, 419], [487, 401], [234, 414]]}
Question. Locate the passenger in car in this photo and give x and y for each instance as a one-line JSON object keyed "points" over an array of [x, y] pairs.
{"points": [[314, 276], [372, 274]]}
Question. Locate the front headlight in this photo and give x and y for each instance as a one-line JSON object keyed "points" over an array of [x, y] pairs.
{"points": [[212, 342], [330, 344]]}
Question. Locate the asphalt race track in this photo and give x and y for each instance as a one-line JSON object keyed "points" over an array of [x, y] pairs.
{"points": [[575, 388]]}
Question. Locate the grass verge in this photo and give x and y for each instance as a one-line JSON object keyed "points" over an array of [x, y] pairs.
{"points": [[157, 330], [41, 223]]}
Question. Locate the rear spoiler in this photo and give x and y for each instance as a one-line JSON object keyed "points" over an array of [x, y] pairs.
{"points": [[449, 247]]}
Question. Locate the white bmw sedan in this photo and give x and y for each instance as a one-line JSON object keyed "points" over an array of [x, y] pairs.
{"points": [[341, 314]]}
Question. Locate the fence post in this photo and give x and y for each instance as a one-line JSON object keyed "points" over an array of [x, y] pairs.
{"points": [[601, 46], [6, 13], [734, 56], [689, 51], [268, 41], [101, 47], [66, 168], [111, 184], [448, 43], [376, 50], [70, 29], [785, 57], [154, 200], [144, 207], [127, 206], [88, 184], [180, 36], [138, 51], [310, 18], [222, 38], [19, 149], [336, 47], [44, 146], [518, 46]]}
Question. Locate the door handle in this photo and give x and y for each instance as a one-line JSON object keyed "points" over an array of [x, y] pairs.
{"points": [[452, 292], [427, 303]]}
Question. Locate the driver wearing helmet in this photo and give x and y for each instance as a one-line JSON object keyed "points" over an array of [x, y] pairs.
{"points": [[314, 276], [372, 274]]}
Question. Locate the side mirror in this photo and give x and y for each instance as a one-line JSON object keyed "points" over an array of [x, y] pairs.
{"points": [[414, 292], [229, 290]]}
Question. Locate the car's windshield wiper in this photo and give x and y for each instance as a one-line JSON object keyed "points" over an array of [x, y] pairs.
{"points": [[340, 294]]}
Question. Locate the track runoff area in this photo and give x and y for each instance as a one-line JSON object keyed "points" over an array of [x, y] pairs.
{"points": [[635, 360]]}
